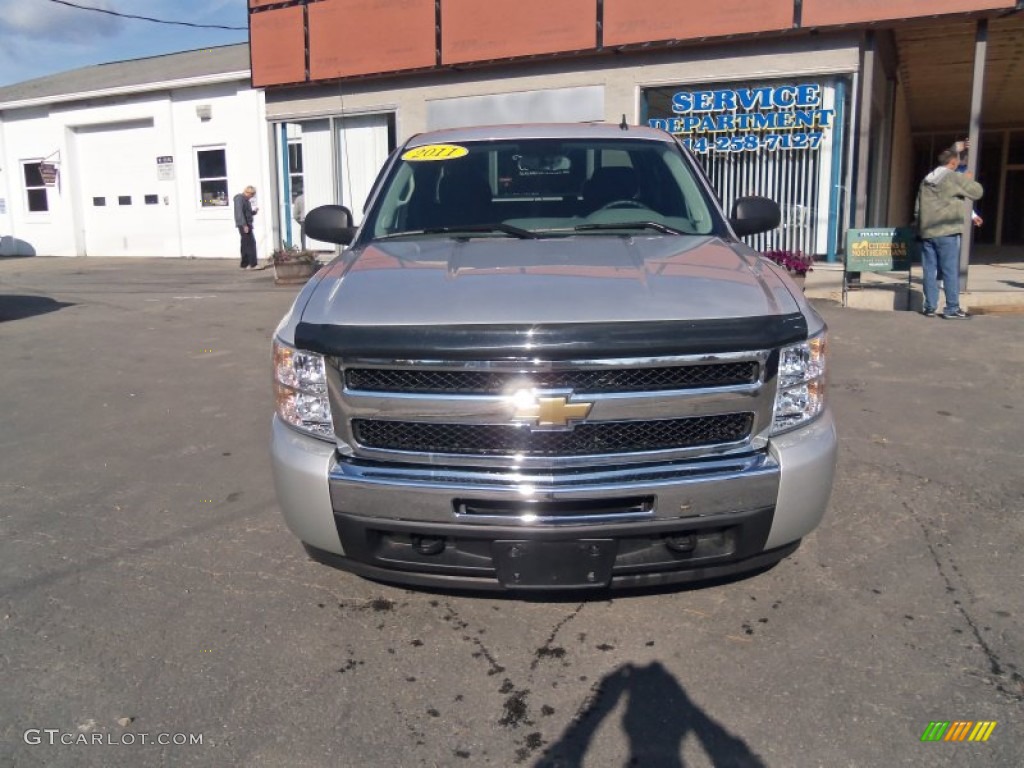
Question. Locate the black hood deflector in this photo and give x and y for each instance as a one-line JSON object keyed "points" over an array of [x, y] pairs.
{"points": [[553, 341]]}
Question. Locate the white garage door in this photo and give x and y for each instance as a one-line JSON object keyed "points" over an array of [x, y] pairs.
{"points": [[123, 212]]}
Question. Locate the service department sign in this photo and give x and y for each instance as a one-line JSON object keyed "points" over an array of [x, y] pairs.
{"points": [[770, 117]]}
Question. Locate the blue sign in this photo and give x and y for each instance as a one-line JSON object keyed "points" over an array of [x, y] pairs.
{"points": [[773, 118]]}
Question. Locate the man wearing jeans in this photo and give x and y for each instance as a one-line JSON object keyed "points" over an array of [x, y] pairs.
{"points": [[943, 200], [243, 221]]}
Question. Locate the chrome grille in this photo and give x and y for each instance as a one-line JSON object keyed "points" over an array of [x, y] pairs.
{"points": [[581, 381], [592, 438]]}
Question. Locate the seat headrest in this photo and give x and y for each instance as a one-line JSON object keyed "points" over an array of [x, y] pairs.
{"points": [[462, 186]]}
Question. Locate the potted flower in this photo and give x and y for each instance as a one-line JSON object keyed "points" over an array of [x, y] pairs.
{"points": [[797, 263], [294, 265]]}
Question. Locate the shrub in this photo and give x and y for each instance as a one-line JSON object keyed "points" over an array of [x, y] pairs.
{"points": [[293, 256]]}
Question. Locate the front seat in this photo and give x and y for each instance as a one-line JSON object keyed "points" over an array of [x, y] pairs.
{"points": [[607, 185], [463, 197]]}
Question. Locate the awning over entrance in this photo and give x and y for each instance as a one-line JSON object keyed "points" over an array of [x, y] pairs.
{"points": [[936, 63], [937, 73]]}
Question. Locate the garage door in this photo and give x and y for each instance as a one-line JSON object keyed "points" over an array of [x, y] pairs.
{"points": [[123, 212]]}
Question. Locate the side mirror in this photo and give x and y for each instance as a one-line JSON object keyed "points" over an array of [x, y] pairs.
{"points": [[753, 215], [329, 223]]}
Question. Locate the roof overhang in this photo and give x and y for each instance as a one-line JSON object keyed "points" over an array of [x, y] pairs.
{"points": [[128, 90]]}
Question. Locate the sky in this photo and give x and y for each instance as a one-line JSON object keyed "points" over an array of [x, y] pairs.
{"points": [[40, 37]]}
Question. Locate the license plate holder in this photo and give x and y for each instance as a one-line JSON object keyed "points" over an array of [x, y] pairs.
{"points": [[580, 563]]}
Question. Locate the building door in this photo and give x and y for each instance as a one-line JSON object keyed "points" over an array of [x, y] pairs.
{"points": [[292, 200], [363, 144], [329, 161], [1013, 207], [122, 212]]}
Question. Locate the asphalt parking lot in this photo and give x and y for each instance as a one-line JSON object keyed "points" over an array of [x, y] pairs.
{"points": [[149, 590]]}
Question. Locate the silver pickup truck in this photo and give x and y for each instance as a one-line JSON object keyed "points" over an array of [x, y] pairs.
{"points": [[545, 361]]}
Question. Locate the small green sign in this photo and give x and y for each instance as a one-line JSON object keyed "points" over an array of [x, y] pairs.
{"points": [[879, 250]]}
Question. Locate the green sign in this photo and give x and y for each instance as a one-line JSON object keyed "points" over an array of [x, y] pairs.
{"points": [[879, 250]]}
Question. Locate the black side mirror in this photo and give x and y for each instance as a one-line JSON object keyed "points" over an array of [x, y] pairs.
{"points": [[753, 215], [329, 223]]}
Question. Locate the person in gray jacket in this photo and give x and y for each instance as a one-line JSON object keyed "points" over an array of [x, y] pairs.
{"points": [[943, 201], [243, 220]]}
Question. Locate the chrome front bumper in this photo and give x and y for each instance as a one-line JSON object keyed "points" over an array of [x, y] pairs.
{"points": [[769, 500], [684, 489]]}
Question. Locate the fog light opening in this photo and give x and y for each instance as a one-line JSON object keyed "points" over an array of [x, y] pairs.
{"points": [[428, 545], [681, 542]]}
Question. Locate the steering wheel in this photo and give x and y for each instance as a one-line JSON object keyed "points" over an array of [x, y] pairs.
{"points": [[624, 203]]}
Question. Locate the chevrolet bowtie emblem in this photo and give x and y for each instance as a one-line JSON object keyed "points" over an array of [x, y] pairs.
{"points": [[551, 411]]}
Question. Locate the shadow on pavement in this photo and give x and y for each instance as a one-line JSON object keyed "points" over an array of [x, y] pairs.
{"points": [[658, 718], [984, 253], [18, 307]]}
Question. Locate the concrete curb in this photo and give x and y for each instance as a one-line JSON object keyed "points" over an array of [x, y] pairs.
{"points": [[993, 289]]}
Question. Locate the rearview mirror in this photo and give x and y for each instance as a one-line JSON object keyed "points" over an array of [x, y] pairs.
{"points": [[753, 215], [329, 223]]}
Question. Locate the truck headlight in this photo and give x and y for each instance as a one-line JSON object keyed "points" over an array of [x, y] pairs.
{"points": [[300, 390], [801, 384]]}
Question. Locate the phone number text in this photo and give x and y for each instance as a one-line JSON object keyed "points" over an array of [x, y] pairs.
{"points": [[751, 142]]}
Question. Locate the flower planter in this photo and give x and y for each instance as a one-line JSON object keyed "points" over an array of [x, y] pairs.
{"points": [[294, 272], [796, 263]]}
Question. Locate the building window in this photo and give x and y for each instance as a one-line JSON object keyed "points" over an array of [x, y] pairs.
{"points": [[35, 190], [99, 202], [295, 167], [750, 147], [124, 200], [212, 168], [151, 199]]}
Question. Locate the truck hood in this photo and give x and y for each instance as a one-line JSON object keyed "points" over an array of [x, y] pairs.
{"points": [[583, 279]]}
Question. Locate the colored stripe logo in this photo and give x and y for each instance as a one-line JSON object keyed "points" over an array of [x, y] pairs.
{"points": [[958, 730]]}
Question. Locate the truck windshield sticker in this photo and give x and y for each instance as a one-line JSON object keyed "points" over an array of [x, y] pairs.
{"points": [[435, 152]]}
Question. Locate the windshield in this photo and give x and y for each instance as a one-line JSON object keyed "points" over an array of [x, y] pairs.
{"points": [[547, 187]]}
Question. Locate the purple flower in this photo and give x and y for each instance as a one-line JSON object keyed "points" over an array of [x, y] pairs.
{"points": [[792, 261]]}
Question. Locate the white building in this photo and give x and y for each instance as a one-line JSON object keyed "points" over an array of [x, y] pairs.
{"points": [[134, 158]]}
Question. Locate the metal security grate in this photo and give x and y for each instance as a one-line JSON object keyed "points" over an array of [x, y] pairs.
{"points": [[584, 439], [580, 381], [795, 179]]}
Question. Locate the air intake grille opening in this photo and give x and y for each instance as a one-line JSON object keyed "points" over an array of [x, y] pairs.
{"points": [[585, 439], [581, 381], [638, 505]]}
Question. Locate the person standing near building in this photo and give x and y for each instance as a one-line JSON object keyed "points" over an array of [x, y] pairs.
{"points": [[943, 201], [961, 148], [244, 213]]}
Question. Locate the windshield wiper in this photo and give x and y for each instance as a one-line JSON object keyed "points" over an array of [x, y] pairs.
{"points": [[467, 229], [657, 226]]}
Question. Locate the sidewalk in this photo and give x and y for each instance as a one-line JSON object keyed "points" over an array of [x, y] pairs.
{"points": [[995, 284]]}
